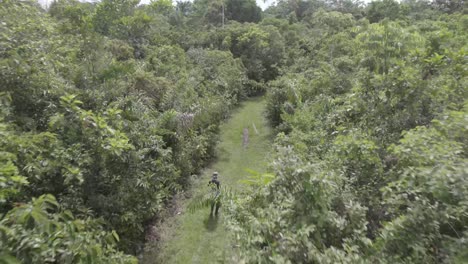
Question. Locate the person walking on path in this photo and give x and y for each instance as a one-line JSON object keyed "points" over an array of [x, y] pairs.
{"points": [[215, 185]]}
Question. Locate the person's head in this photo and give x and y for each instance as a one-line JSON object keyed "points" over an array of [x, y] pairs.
{"points": [[215, 175]]}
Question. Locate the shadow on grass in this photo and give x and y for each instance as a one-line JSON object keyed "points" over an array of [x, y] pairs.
{"points": [[211, 223]]}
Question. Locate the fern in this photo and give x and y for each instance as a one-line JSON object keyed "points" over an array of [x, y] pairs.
{"points": [[204, 200]]}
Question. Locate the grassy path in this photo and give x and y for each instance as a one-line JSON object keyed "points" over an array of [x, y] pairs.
{"points": [[197, 237]]}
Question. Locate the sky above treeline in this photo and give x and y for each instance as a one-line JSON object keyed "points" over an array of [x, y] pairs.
{"points": [[261, 3]]}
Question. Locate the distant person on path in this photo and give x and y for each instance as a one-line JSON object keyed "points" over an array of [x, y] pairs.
{"points": [[216, 191], [245, 138]]}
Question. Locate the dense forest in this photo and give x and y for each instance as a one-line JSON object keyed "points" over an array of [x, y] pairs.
{"points": [[107, 109]]}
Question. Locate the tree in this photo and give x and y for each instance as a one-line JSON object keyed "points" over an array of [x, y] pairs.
{"points": [[379, 10], [161, 6], [42, 231], [210, 11], [109, 12], [449, 6], [243, 11], [354, 7]]}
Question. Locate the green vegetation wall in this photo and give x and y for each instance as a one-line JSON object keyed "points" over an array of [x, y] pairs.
{"points": [[370, 159], [107, 109]]}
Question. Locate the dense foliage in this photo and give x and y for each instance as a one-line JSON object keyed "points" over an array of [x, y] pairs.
{"points": [[107, 109], [371, 153]]}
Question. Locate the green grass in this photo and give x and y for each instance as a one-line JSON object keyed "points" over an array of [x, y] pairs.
{"points": [[197, 237]]}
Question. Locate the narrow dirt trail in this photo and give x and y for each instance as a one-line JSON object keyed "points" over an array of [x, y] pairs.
{"points": [[197, 237]]}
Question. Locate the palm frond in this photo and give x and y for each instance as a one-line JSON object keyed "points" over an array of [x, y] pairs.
{"points": [[205, 200]]}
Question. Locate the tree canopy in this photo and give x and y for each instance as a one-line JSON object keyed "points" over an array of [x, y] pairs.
{"points": [[108, 108]]}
